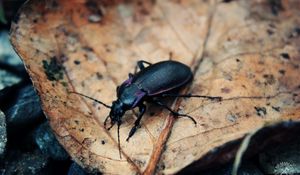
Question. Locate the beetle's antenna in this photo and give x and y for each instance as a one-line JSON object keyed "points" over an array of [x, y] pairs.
{"points": [[91, 98], [119, 123]]}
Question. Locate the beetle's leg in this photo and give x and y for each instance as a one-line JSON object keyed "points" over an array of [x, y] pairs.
{"points": [[119, 145], [106, 121], [140, 65], [112, 124], [98, 101], [159, 103], [218, 98], [142, 109]]}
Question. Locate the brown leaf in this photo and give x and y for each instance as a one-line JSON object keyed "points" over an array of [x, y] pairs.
{"points": [[245, 51]]}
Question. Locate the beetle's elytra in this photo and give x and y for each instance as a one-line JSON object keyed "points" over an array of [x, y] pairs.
{"points": [[148, 84]]}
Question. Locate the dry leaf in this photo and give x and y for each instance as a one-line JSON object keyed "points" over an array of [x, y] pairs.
{"points": [[245, 51]]}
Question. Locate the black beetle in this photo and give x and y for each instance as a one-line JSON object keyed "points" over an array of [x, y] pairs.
{"points": [[156, 80]]}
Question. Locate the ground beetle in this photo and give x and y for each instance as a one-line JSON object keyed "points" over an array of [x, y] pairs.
{"points": [[149, 84]]}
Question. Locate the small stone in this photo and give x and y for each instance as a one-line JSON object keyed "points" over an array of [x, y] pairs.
{"points": [[249, 168], [7, 53], [48, 144], [3, 136], [26, 111], [246, 168], [25, 163], [281, 159], [75, 169], [8, 79]]}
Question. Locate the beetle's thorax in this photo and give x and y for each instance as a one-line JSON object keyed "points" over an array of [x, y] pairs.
{"points": [[131, 95]]}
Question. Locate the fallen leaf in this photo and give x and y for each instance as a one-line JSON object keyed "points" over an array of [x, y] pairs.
{"points": [[245, 51]]}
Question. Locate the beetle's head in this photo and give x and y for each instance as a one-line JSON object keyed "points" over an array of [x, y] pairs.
{"points": [[117, 111]]}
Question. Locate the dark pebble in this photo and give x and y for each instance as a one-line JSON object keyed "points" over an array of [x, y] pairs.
{"points": [[9, 59], [26, 111], [246, 168], [48, 144], [8, 79], [7, 53], [17, 162], [3, 136], [281, 159], [75, 169]]}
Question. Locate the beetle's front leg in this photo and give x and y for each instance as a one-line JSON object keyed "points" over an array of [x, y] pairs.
{"points": [[142, 109]]}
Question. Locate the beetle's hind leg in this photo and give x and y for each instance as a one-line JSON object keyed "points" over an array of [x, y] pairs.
{"points": [[142, 109], [217, 98], [140, 65], [159, 103]]}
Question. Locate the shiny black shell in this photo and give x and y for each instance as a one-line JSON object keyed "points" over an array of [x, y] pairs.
{"points": [[162, 77]]}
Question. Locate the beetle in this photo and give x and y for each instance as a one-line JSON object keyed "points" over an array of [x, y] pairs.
{"points": [[148, 84]]}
